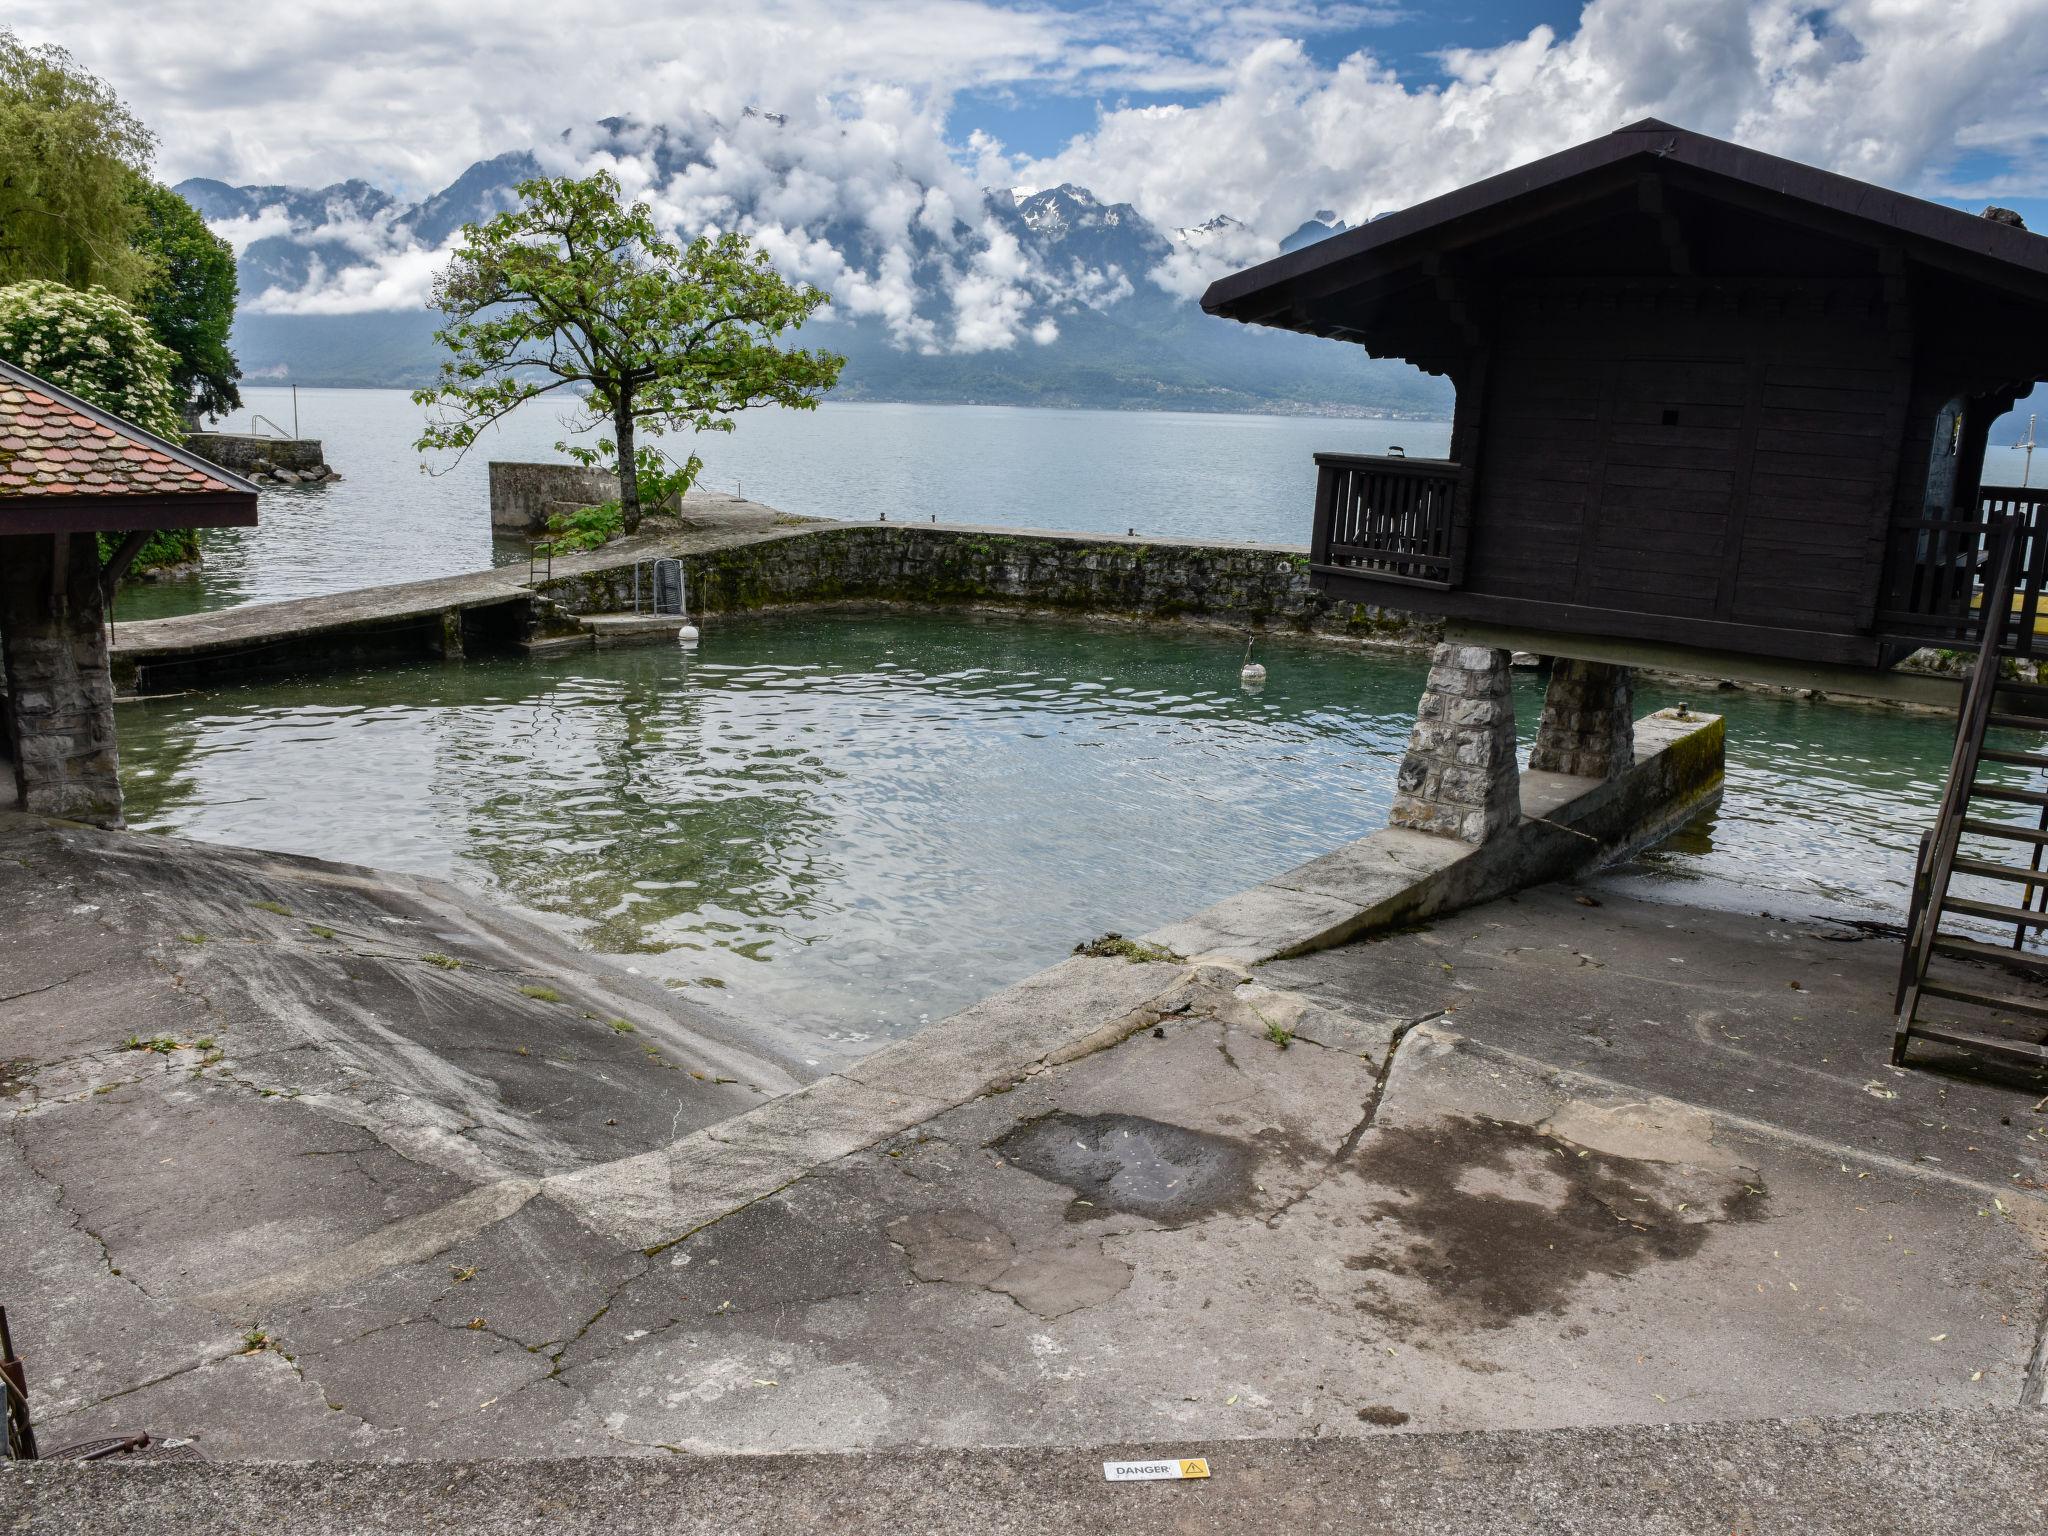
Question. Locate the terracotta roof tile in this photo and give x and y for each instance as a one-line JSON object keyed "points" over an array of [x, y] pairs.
{"points": [[49, 449]]}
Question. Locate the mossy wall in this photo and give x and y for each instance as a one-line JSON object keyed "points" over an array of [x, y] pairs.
{"points": [[1239, 586]]}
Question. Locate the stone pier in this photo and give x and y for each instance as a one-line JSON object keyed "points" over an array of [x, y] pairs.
{"points": [[1588, 724], [61, 712], [1459, 777]]}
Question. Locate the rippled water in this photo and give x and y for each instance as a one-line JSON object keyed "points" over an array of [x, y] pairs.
{"points": [[846, 826]]}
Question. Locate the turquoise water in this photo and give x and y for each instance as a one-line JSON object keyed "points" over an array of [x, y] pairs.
{"points": [[846, 826], [1203, 476]]}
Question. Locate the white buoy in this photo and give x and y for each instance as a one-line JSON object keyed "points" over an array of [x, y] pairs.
{"points": [[686, 637], [1251, 674]]}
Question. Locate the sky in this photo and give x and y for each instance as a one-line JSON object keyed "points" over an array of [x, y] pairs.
{"points": [[903, 111]]}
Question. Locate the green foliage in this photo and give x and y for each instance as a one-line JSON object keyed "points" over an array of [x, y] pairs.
{"points": [[95, 346], [189, 298], [1115, 946], [575, 289], [660, 478], [585, 528], [165, 546], [70, 157]]}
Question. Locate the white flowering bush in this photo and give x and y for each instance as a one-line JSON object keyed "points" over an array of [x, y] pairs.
{"points": [[89, 342]]}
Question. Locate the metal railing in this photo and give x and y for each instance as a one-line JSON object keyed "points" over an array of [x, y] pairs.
{"points": [[1387, 518]]}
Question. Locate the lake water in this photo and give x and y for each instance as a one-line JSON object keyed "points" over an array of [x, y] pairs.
{"points": [[845, 826], [1201, 476]]}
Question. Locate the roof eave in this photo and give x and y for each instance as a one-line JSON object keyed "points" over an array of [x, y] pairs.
{"points": [[1931, 229], [72, 513]]}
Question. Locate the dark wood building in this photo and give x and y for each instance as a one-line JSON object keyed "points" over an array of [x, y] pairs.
{"points": [[1705, 397], [69, 472]]}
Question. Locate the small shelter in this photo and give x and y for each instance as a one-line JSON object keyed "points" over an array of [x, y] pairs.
{"points": [[69, 472], [1716, 411], [1706, 397]]}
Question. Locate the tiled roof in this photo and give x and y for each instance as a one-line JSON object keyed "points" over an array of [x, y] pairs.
{"points": [[49, 446]]}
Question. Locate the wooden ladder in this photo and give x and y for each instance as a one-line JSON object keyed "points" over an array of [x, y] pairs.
{"points": [[1940, 859]]}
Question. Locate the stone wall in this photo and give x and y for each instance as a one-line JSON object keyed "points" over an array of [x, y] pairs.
{"points": [[301, 458], [522, 495], [1241, 586]]}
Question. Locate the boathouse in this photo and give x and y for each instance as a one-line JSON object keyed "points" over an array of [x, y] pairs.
{"points": [[70, 472], [1716, 411], [1705, 396]]}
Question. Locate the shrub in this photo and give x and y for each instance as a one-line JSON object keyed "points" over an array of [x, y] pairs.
{"points": [[89, 342], [586, 528]]}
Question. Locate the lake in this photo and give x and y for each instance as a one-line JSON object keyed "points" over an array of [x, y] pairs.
{"points": [[845, 825], [1173, 473]]}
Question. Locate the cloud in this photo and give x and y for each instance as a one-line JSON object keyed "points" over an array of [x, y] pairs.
{"points": [[1886, 90], [263, 224], [868, 180]]}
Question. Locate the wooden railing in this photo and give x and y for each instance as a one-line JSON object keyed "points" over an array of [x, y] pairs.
{"points": [[1935, 570], [1391, 519]]}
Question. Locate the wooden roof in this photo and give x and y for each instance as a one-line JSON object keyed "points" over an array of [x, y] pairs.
{"points": [[1414, 245], [67, 466]]}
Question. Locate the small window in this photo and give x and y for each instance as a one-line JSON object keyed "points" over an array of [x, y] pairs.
{"points": [[1671, 418]]}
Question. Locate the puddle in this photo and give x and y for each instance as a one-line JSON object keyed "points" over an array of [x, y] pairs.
{"points": [[1126, 1163]]}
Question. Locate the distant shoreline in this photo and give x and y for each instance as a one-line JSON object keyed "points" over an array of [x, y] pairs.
{"points": [[1280, 409]]}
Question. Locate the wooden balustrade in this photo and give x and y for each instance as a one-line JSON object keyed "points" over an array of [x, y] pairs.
{"points": [[1393, 519]]}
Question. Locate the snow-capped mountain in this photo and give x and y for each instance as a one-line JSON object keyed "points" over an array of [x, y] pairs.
{"points": [[1048, 295]]}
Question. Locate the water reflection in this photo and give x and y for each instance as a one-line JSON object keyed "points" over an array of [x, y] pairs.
{"points": [[850, 825]]}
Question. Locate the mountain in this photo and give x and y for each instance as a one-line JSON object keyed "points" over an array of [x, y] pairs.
{"points": [[1321, 227], [1086, 299]]}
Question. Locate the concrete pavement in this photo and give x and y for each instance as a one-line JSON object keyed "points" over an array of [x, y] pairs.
{"points": [[1890, 1475]]}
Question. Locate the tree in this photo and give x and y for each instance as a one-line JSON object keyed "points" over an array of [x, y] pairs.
{"points": [[70, 156], [573, 289], [95, 346], [189, 300]]}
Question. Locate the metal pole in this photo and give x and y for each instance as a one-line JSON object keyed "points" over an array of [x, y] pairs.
{"points": [[295, 413]]}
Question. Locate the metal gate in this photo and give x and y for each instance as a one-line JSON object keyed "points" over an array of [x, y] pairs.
{"points": [[668, 586]]}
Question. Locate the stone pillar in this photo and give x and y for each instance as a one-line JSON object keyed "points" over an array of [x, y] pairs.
{"points": [[1588, 726], [447, 638], [54, 638], [1459, 776]]}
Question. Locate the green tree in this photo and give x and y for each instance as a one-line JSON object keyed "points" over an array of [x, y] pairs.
{"points": [[189, 300], [70, 156], [572, 288], [92, 344]]}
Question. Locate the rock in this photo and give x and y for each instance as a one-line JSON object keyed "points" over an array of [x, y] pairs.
{"points": [[284, 477]]}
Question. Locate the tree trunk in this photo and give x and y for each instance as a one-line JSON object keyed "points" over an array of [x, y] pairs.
{"points": [[629, 472]]}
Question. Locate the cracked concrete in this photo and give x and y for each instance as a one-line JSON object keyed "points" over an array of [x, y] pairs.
{"points": [[1439, 1180]]}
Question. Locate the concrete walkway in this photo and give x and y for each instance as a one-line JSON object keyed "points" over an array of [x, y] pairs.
{"points": [[1542, 1164], [1920, 1474], [713, 520]]}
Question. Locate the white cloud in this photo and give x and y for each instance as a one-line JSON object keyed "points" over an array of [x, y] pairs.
{"points": [[243, 232], [1887, 90], [868, 182]]}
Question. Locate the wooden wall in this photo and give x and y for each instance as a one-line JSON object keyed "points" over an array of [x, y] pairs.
{"points": [[1726, 464]]}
